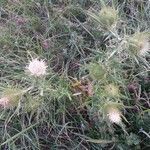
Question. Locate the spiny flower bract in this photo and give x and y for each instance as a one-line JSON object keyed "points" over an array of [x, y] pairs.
{"points": [[112, 90], [108, 16], [96, 71]]}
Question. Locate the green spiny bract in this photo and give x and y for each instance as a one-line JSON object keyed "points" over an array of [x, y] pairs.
{"points": [[108, 17], [32, 104], [112, 90], [97, 71]]}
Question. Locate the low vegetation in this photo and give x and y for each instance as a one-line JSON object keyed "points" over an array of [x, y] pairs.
{"points": [[74, 74]]}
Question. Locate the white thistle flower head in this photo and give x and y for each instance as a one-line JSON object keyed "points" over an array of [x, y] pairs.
{"points": [[114, 115], [4, 102], [37, 67]]}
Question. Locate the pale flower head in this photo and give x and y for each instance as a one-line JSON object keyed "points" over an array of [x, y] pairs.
{"points": [[114, 115], [145, 48], [4, 102], [37, 67], [139, 43]]}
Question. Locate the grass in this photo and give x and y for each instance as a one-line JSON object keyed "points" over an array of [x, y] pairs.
{"points": [[94, 66]]}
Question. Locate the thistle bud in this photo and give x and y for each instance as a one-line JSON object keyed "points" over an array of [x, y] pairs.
{"points": [[112, 90], [139, 44], [96, 71], [108, 17], [10, 98]]}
